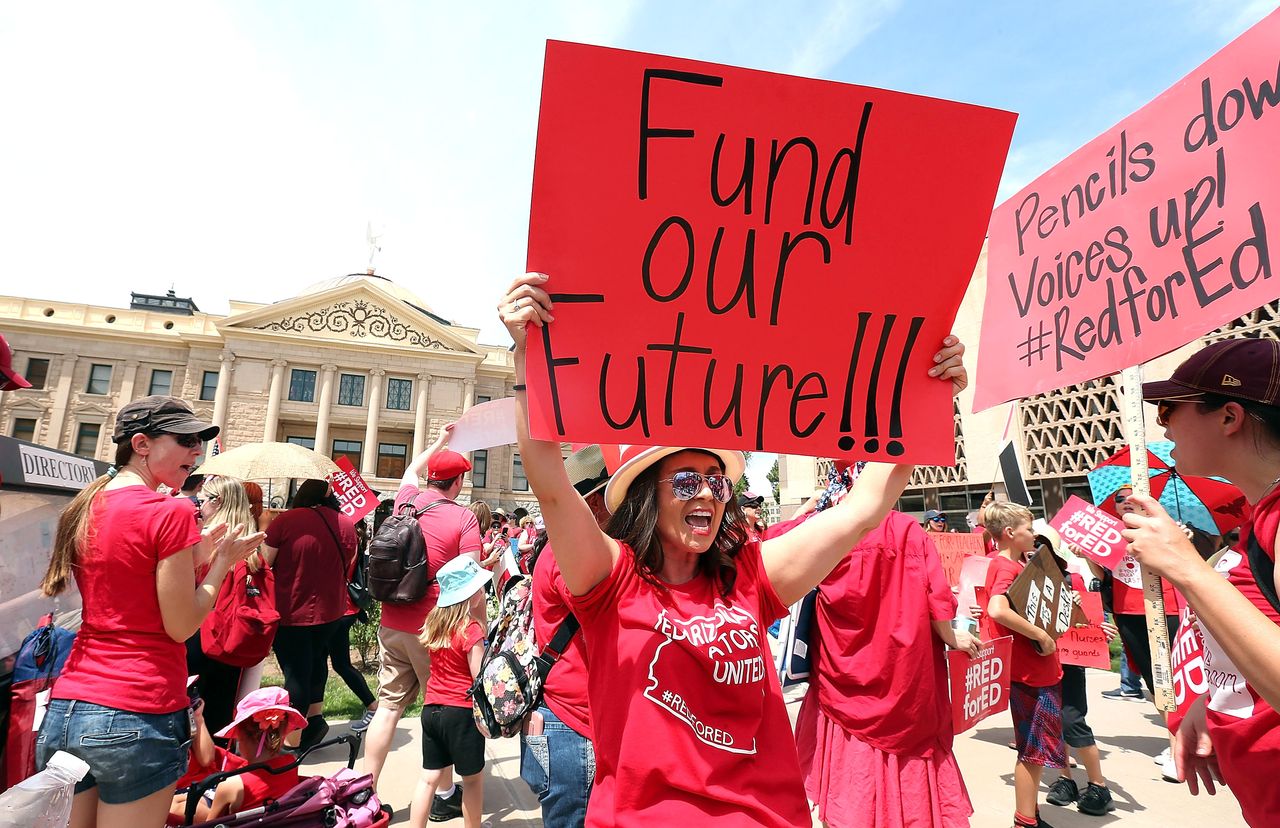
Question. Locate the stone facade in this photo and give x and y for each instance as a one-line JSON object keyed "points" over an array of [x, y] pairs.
{"points": [[357, 361]]}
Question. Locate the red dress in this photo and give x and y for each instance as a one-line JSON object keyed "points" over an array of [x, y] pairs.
{"points": [[874, 733]]}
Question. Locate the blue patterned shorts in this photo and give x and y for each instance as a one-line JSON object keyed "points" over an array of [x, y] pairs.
{"points": [[1037, 724]]}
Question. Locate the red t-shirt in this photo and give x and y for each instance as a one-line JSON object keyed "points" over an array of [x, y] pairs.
{"points": [[686, 709], [261, 785], [122, 657], [565, 691], [1028, 667], [1126, 590], [1244, 728], [450, 677], [450, 530], [310, 569], [881, 672], [223, 760]]}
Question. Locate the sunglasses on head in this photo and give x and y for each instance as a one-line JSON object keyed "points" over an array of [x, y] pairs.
{"points": [[685, 485]]}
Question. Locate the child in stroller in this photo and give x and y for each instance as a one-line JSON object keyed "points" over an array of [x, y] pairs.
{"points": [[263, 719]]}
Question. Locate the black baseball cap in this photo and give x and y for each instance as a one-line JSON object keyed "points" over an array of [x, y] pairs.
{"points": [[1245, 369], [160, 415], [750, 500]]}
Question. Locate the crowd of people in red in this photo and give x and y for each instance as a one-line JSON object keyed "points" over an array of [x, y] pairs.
{"points": [[672, 584]]}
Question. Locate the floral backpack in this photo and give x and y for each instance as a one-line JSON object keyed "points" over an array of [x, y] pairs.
{"points": [[509, 685]]}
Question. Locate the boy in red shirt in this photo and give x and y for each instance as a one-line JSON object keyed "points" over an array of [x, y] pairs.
{"points": [[1035, 696]]}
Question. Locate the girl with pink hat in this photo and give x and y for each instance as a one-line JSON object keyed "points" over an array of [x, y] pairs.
{"points": [[674, 601], [262, 720]]}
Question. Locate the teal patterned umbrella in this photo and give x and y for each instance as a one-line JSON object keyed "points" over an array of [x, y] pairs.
{"points": [[1210, 504]]}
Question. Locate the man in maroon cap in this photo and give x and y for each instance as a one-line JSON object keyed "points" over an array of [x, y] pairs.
{"points": [[449, 530]]}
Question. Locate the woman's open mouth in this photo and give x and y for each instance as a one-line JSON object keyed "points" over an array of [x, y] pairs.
{"points": [[699, 521]]}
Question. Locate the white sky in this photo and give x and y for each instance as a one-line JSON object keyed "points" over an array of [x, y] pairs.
{"points": [[237, 150]]}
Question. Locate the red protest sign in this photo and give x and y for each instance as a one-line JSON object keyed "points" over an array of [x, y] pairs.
{"points": [[354, 495], [979, 686], [1186, 654], [1136, 244], [953, 548], [1094, 532], [1086, 646], [737, 258]]}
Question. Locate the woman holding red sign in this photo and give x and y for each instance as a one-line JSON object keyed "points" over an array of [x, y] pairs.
{"points": [[1222, 410], [674, 601]]}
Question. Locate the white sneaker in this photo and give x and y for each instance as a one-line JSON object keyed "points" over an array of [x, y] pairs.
{"points": [[1170, 770], [1162, 757]]}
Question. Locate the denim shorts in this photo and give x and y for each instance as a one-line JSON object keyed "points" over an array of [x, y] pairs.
{"points": [[130, 755]]}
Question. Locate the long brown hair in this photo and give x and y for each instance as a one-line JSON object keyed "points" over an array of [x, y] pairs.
{"points": [[635, 523], [75, 526]]}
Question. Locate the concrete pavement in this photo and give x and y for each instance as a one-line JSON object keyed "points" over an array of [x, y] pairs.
{"points": [[1128, 733]]}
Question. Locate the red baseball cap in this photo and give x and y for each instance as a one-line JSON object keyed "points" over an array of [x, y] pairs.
{"points": [[1245, 369], [10, 380], [445, 465]]}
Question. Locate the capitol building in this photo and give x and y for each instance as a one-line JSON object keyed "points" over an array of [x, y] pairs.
{"points": [[360, 366]]}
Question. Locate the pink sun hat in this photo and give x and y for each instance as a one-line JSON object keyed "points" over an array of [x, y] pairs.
{"points": [[264, 706]]}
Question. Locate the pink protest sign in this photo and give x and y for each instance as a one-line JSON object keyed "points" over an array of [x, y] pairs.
{"points": [[979, 686], [682, 209], [354, 495], [1155, 232], [973, 574], [953, 548], [1086, 646], [1094, 532]]}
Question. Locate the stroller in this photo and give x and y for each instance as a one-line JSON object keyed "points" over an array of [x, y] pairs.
{"points": [[344, 800]]}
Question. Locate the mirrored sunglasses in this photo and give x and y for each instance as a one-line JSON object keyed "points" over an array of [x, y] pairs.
{"points": [[685, 485]]}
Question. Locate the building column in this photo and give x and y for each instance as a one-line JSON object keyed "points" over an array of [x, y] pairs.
{"points": [[369, 457], [224, 390], [420, 415], [272, 424], [127, 383], [326, 402], [468, 393], [61, 400]]}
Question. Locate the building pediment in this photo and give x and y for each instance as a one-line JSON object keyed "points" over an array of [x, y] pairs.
{"points": [[356, 313]]}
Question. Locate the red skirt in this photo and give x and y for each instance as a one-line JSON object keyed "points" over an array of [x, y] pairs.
{"points": [[857, 786]]}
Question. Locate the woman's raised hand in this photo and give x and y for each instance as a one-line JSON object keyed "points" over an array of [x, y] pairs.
{"points": [[524, 302], [949, 364], [235, 547], [1158, 543]]}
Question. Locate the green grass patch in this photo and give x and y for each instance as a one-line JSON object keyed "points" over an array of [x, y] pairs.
{"points": [[340, 704]]}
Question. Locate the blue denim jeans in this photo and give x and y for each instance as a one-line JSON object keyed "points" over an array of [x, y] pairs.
{"points": [[559, 766], [130, 755], [1130, 681]]}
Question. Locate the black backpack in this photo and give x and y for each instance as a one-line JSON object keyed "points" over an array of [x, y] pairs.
{"points": [[397, 565]]}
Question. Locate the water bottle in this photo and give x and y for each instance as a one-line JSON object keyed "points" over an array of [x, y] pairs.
{"points": [[44, 800]]}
